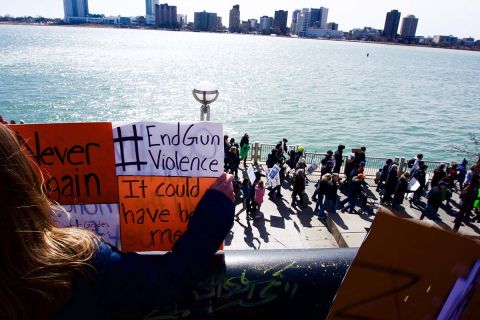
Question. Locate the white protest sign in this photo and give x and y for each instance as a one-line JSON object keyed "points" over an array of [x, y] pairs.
{"points": [[251, 173], [189, 149], [273, 176], [102, 219], [312, 168]]}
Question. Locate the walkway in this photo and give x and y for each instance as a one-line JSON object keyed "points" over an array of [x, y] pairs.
{"points": [[283, 226]]}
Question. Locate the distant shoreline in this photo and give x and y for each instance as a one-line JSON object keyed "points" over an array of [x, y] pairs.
{"points": [[106, 26]]}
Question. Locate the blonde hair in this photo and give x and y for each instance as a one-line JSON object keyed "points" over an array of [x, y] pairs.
{"points": [[326, 177], [38, 260]]}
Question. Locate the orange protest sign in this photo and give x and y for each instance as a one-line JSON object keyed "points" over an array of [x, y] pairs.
{"points": [[77, 160], [155, 210]]}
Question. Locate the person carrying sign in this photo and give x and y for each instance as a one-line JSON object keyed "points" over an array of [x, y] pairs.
{"points": [[70, 273]]}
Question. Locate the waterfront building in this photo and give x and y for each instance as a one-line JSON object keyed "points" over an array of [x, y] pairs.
{"points": [[244, 27], [280, 22], [219, 23], [150, 20], [293, 25], [234, 21], [367, 33], [265, 25], [205, 21], [182, 20], [445, 40], [166, 16], [332, 26], [303, 22], [391, 24], [323, 33], [318, 18], [150, 7], [75, 11], [253, 25], [409, 27]]}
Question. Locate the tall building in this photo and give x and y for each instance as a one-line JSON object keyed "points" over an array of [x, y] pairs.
{"points": [[76, 11], [265, 25], [293, 25], [182, 20], [409, 27], [166, 16], [234, 22], [150, 7], [205, 21], [332, 26], [391, 24], [280, 22], [318, 18], [303, 22]]}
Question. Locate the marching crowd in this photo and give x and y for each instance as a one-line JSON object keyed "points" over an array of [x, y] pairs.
{"points": [[393, 184]]}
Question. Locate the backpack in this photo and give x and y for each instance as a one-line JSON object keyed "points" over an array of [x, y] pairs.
{"points": [[410, 163]]}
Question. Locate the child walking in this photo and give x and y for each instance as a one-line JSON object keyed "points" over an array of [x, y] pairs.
{"points": [[258, 198]]}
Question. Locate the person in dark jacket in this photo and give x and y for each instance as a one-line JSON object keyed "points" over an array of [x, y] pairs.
{"points": [[390, 184], [327, 168], [470, 198], [330, 203], [338, 157], [434, 200], [298, 185], [320, 192], [354, 192], [360, 156], [234, 161], [70, 273], [421, 176], [328, 157], [400, 190], [384, 174], [349, 166], [438, 174], [462, 173]]}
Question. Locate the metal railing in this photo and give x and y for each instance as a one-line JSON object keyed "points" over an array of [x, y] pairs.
{"points": [[372, 164]]}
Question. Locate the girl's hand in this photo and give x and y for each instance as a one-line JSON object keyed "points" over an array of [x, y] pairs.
{"points": [[224, 184]]}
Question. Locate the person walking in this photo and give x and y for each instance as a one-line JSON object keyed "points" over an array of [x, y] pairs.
{"points": [[338, 157], [320, 192], [233, 161], [258, 199], [421, 176], [298, 185], [384, 175], [470, 199], [390, 184], [354, 192], [400, 190], [244, 148], [330, 203], [438, 174], [434, 200]]}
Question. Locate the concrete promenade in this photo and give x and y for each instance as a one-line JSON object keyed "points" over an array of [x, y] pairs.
{"points": [[283, 226]]}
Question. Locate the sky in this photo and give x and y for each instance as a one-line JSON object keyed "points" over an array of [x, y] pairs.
{"points": [[459, 18]]}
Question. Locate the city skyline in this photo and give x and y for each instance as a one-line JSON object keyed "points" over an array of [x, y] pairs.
{"points": [[349, 14]]}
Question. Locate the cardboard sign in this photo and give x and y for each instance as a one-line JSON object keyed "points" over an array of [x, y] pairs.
{"points": [[408, 269], [312, 168], [102, 219], [154, 211], [251, 173], [193, 149], [76, 159]]}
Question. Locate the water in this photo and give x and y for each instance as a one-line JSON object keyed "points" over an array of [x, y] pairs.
{"points": [[398, 101]]}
